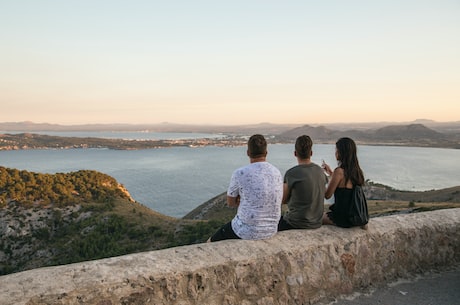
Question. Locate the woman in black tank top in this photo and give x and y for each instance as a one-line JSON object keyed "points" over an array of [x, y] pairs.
{"points": [[345, 176]]}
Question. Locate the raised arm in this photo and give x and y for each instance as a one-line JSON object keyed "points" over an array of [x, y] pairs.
{"points": [[336, 177]]}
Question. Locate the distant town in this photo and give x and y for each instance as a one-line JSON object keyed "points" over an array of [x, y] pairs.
{"points": [[24, 141]]}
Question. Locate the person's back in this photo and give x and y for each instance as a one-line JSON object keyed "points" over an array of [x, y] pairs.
{"points": [[257, 190], [304, 188], [341, 206], [344, 179], [260, 189], [306, 202]]}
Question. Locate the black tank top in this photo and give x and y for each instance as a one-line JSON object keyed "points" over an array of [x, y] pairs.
{"points": [[342, 201]]}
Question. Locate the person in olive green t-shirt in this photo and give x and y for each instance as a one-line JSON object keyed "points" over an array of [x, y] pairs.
{"points": [[304, 188]]}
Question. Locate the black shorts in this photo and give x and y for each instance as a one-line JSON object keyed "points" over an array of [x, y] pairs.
{"points": [[338, 221], [225, 232], [284, 225]]}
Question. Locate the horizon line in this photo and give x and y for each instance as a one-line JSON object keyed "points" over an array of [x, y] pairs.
{"points": [[229, 125]]}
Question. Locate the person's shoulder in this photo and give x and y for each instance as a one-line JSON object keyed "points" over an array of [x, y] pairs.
{"points": [[338, 171], [290, 172], [315, 166], [306, 167], [268, 164], [318, 170], [293, 169], [272, 167], [241, 169]]}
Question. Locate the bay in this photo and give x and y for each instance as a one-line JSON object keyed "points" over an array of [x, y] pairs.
{"points": [[174, 181]]}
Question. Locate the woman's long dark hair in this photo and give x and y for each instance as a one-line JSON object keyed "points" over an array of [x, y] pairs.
{"points": [[348, 160]]}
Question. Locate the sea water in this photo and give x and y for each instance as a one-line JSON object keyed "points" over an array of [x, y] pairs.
{"points": [[175, 180]]}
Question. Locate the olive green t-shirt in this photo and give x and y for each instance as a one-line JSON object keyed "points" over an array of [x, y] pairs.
{"points": [[306, 188]]}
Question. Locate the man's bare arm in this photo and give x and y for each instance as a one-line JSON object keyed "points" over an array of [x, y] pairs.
{"points": [[233, 201]]}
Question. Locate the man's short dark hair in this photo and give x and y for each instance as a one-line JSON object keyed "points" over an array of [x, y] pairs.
{"points": [[303, 146], [257, 146]]}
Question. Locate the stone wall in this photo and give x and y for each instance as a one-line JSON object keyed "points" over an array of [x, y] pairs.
{"points": [[294, 267]]}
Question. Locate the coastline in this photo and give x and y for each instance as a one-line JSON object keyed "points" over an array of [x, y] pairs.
{"points": [[26, 141]]}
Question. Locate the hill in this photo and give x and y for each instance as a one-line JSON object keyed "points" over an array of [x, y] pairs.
{"points": [[65, 218], [413, 131], [452, 128], [404, 135]]}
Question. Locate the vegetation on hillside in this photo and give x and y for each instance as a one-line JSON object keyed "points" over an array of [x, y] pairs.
{"points": [[61, 189], [65, 218]]}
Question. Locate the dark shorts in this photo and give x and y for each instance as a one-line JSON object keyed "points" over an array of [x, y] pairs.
{"points": [[329, 215], [225, 232], [284, 225], [338, 221]]}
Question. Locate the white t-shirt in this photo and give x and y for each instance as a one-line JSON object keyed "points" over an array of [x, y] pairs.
{"points": [[260, 187]]}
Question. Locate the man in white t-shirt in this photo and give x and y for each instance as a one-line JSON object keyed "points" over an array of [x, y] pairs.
{"points": [[257, 190]]}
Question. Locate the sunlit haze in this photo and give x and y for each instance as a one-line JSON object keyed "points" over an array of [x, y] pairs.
{"points": [[229, 62]]}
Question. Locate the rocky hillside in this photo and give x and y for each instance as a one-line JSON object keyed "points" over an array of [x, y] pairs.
{"points": [[64, 218]]}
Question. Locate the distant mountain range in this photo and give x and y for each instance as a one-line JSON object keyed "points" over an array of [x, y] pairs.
{"points": [[407, 135], [428, 134], [265, 128]]}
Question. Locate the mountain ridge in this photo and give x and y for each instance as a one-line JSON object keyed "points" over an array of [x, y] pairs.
{"points": [[449, 127], [408, 135]]}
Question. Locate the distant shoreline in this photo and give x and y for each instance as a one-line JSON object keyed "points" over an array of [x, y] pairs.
{"points": [[26, 141], [29, 141]]}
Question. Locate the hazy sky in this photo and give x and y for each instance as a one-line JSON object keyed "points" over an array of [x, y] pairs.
{"points": [[229, 62]]}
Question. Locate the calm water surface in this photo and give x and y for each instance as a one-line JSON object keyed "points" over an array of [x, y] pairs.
{"points": [[174, 181]]}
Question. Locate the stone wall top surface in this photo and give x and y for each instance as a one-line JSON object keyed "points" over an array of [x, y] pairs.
{"points": [[314, 260]]}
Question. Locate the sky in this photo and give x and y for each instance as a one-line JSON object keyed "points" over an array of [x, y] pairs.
{"points": [[229, 62]]}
